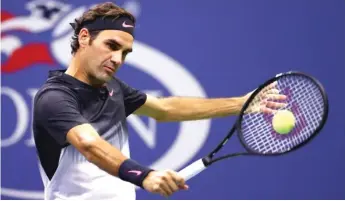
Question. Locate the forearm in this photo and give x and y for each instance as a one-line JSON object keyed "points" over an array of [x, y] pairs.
{"points": [[105, 156], [95, 149], [188, 108], [111, 160]]}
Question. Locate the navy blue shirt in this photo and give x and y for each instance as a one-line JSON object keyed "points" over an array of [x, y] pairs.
{"points": [[64, 102]]}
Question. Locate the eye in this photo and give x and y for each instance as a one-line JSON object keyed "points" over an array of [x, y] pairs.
{"points": [[113, 46]]}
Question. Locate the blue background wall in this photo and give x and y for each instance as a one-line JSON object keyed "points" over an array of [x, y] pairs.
{"points": [[229, 47]]}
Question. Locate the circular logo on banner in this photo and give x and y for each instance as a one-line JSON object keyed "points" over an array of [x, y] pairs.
{"points": [[191, 134]]}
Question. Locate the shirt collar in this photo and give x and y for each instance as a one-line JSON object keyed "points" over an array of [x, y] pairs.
{"points": [[73, 81]]}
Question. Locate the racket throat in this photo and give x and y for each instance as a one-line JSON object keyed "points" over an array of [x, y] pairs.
{"points": [[207, 160]]}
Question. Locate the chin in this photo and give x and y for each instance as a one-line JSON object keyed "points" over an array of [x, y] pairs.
{"points": [[106, 77]]}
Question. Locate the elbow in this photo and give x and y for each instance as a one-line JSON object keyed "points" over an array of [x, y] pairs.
{"points": [[165, 114], [160, 118], [85, 139], [86, 147]]}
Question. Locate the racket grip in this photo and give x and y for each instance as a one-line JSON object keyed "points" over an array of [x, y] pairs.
{"points": [[192, 169]]}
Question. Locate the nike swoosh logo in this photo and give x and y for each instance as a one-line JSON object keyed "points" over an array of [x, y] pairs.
{"points": [[137, 172], [127, 25], [111, 93]]}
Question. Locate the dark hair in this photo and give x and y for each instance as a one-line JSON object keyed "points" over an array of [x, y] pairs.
{"points": [[107, 9]]}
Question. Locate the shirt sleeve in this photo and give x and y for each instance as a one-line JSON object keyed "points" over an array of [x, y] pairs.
{"points": [[57, 111], [133, 98]]}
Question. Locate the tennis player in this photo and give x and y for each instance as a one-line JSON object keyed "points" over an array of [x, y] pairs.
{"points": [[79, 118]]}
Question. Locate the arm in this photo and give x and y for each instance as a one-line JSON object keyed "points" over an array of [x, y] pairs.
{"points": [[111, 160], [57, 112], [96, 150], [188, 108]]}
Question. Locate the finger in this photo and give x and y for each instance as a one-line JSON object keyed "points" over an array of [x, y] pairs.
{"points": [[270, 86], [163, 190], [255, 107], [273, 91], [172, 181], [273, 84], [163, 193], [184, 187], [169, 185], [276, 97], [157, 189], [266, 110], [178, 179], [164, 184], [263, 94], [275, 105], [172, 185]]}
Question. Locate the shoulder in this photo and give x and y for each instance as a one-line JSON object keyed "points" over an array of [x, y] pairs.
{"points": [[125, 87], [117, 82], [56, 84], [52, 92], [53, 101]]}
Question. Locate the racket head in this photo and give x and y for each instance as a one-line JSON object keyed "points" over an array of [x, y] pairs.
{"points": [[262, 139]]}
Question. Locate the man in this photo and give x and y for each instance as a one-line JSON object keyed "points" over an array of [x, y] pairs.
{"points": [[80, 115]]}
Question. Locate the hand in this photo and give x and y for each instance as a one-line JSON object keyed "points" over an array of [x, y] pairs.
{"points": [[164, 182], [267, 101]]}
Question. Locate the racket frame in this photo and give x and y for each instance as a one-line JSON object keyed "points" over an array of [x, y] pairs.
{"points": [[208, 160]]}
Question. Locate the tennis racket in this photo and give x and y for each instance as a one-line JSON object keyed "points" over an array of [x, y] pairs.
{"points": [[305, 97]]}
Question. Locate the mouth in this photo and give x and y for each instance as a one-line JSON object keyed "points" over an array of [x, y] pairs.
{"points": [[109, 69]]}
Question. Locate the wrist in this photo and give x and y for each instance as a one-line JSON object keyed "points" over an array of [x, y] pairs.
{"points": [[133, 172], [240, 101]]}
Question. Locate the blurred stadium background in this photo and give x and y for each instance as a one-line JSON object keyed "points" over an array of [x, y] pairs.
{"points": [[201, 48]]}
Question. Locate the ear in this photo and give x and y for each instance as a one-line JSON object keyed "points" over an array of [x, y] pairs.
{"points": [[84, 37]]}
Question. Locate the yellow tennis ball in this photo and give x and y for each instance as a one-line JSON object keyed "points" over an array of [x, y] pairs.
{"points": [[283, 121]]}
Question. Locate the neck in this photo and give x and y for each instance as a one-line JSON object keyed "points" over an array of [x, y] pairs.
{"points": [[76, 70]]}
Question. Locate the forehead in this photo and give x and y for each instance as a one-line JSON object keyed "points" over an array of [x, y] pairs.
{"points": [[121, 37]]}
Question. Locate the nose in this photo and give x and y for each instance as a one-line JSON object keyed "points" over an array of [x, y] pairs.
{"points": [[116, 58]]}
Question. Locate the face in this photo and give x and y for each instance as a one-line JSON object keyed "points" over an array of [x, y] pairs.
{"points": [[105, 54]]}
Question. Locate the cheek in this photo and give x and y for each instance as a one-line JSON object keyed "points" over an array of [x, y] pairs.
{"points": [[95, 54], [104, 51], [104, 54], [98, 54]]}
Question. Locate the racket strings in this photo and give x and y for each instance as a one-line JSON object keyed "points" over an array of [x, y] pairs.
{"points": [[304, 100]]}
